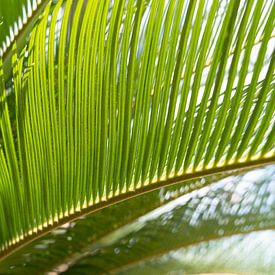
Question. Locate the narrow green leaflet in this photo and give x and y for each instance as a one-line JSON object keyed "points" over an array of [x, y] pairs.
{"points": [[111, 99]]}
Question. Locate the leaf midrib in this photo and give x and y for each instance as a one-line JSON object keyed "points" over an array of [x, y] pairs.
{"points": [[131, 194], [181, 245]]}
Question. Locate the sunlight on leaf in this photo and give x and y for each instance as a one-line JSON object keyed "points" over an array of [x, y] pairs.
{"points": [[112, 99]]}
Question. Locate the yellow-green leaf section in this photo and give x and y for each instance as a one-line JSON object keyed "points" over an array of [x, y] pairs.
{"points": [[111, 99]]}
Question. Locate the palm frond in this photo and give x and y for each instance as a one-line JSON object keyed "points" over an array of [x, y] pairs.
{"points": [[115, 98], [146, 228]]}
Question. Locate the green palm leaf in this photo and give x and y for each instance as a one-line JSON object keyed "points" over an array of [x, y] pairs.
{"points": [[109, 100], [125, 238]]}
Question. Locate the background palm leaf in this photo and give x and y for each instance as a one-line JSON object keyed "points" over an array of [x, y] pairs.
{"points": [[227, 255], [198, 217], [17, 18], [112, 99]]}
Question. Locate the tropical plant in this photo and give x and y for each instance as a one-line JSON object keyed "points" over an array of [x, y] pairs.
{"points": [[104, 101]]}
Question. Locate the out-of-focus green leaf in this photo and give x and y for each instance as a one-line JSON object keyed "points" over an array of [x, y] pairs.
{"points": [[251, 254], [234, 205], [14, 16]]}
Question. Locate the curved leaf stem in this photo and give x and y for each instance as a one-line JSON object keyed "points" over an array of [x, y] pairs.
{"points": [[131, 194]]}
